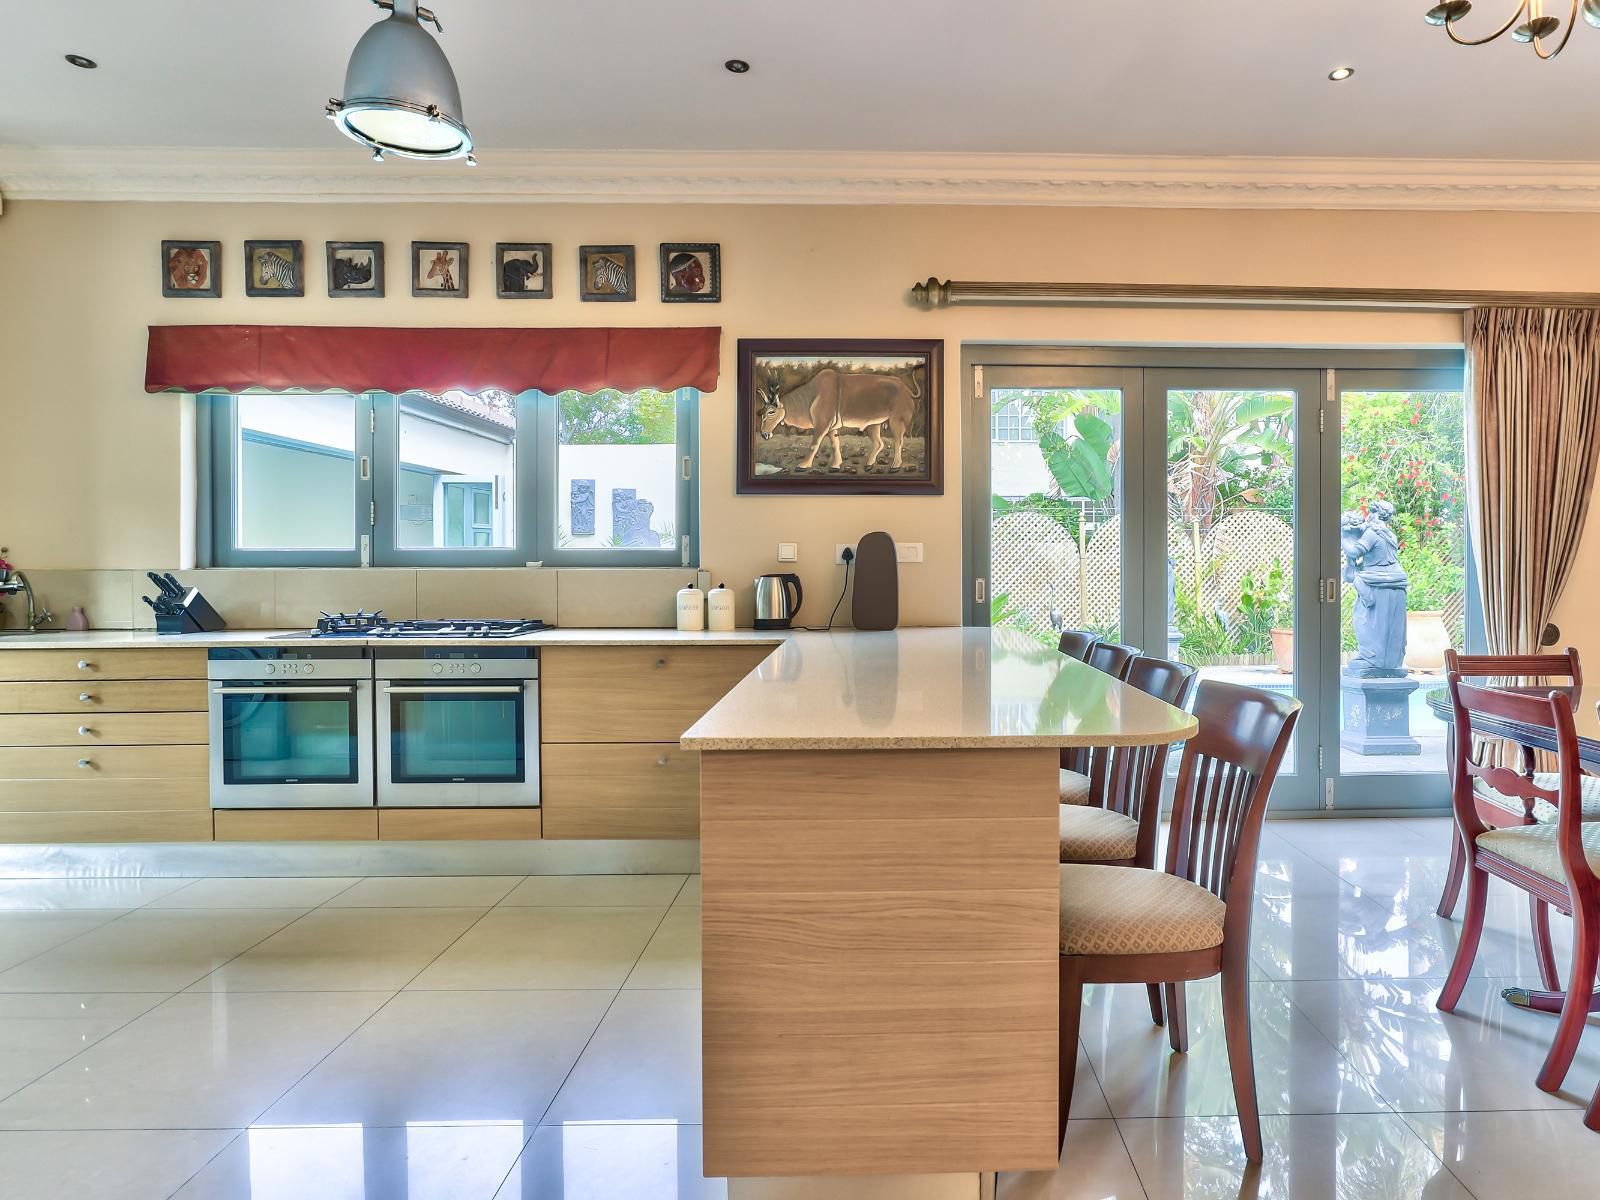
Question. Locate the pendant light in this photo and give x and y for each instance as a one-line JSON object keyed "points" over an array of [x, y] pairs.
{"points": [[400, 95]]}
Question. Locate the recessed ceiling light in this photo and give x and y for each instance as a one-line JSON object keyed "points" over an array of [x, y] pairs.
{"points": [[1339, 74], [78, 60], [737, 65]]}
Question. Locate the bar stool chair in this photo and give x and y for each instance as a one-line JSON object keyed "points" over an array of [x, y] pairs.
{"points": [[1111, 657], [1076, 643], [1077, 786], [1125, 925], [1555, 863]]}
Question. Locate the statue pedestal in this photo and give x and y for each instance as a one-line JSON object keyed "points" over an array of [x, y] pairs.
{"points": [[1377, 714]]}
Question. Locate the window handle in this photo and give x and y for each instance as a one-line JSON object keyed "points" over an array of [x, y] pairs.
{"points": [[366, 468]]}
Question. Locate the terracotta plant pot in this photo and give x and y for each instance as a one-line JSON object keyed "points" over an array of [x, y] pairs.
{"points": [[1426, 640], [1283, 649]]}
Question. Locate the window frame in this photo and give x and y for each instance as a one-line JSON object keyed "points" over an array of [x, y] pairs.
{"points": [[375, 515]]}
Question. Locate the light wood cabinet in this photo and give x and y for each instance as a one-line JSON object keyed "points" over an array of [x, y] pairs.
{"points": [[296, 824], [159, 763], [621, 790], [102, 826], [156, 663], [104, 729], [635, 693], [114, 696], [458, 824]]}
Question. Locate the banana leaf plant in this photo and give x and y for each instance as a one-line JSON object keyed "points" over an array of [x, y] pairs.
{"points": [[1221, 446]]}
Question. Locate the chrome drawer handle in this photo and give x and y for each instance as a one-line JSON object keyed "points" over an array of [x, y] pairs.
{"points": [[85, 763], [445, 689], [85, 731], [85, 665], [85, 698], [661, 760], [284, 691], [661, 662]]}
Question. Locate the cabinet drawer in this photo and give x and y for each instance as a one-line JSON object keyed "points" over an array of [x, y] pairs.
{"points": [[97, 794], [620, 790], [104, 729], [104, 762], [457, 824], [102, 664], [296, 824], [54, 696], [635, 693], [67, 827]]}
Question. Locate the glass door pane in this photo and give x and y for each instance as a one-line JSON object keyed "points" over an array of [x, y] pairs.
{"points": [[1241, 583], [1057, 519], [1402, 555]]}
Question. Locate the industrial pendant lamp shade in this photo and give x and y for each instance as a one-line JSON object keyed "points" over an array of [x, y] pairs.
{"points": [[400, 95]]}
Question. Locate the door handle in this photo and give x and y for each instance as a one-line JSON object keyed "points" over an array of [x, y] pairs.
{"points": [[455, 689], [309, 689]]}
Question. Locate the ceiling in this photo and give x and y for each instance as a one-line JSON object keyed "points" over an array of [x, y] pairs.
{"points": [[1227, 77]]}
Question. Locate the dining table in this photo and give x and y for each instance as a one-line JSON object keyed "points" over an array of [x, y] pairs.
{"points": [[1585, 703]]}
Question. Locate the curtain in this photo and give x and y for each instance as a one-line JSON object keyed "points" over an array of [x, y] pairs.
{"points": [[235, 358], [1534, 430]]}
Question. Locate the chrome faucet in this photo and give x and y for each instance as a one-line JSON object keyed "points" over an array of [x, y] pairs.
{"points": [[16, 582]]}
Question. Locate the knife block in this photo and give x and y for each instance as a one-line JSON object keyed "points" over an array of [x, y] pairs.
{"points": [[195, 616]]}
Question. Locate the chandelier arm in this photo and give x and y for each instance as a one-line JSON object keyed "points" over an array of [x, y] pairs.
{"points": [[1450, 28], [1572, 21]]}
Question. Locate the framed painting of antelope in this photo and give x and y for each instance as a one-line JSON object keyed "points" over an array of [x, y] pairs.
{"points": [[605, 273], [841, 416], [439, 269], [273, 268]]}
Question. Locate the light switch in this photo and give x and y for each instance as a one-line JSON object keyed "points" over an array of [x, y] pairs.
{"points": [[908, 552], [788, 552]]}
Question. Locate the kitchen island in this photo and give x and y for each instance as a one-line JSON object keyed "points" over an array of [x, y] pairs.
{"points": [[879, 851]]}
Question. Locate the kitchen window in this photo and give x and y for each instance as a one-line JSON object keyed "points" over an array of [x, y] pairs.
{"points": [[601, 478]]}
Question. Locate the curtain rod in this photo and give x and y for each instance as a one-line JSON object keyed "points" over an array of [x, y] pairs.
{"points": [[935, 293]]}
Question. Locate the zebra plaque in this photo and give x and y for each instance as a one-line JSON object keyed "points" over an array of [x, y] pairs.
{"points": [[274, 268], [606, 273]]}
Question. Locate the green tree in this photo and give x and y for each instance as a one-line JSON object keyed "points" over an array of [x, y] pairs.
{"points": [[612, 418], [1226, 449]]}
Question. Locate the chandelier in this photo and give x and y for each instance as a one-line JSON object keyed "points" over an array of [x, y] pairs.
{"points": [[1529, 23]]}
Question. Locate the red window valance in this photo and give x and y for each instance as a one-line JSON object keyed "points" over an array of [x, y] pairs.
{"points": [[235, 358]]}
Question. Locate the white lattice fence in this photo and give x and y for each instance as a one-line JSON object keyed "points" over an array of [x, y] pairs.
{"points": [[1239, 544], [1102, 576], [1033, 562]]}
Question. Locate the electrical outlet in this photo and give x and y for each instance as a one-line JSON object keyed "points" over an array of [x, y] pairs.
{"points": [[908, 552], [838, 552], [788, 552]]}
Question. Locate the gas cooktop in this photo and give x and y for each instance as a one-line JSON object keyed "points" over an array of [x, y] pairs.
{"points": [[375, 625]]}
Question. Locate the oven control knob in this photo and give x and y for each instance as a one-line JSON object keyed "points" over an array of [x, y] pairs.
{"points": [[476, 668], [438, 668], [308, 669], [271, 668]]}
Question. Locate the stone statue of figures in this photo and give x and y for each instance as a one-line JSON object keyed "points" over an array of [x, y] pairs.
{"points": [[1372, 564]]}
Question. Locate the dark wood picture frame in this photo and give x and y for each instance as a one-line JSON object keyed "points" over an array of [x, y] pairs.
{"points": [[375, 290], [824, 477], [709, 253], [629, 265], [458, 292], [295, 257], [213, 252], [501, 251]]}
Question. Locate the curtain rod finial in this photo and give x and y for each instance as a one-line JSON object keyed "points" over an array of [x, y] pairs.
{"points": [[932, 294]]}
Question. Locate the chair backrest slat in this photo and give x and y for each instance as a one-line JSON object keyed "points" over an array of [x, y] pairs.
{"points": [[1224, 784], [1076, 643], [1132, 775], [1516, 666], [1111, 657]]}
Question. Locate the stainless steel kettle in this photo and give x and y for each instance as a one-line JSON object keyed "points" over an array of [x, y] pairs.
{"points": [[774, 608]]}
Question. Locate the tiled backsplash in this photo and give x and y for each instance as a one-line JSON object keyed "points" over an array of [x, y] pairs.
{"points": [[291, 599]]}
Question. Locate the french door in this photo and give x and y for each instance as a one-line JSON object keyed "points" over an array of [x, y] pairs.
{"points": [[1195, 512]]}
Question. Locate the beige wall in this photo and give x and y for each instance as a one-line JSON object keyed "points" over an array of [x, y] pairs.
{"points": [[93, 468]]}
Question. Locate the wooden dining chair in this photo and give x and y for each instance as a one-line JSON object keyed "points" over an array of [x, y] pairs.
{"points": [[1191, 921], [1076, 643], [1557, 862], [1496, 808], [1111, 657]]}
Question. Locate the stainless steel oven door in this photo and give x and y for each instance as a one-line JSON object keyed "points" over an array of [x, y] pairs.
{"points": [[291, 745], [458, 743]]}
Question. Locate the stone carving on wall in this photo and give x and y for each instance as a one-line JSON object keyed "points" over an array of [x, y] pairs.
{"points": [[583, 508]]}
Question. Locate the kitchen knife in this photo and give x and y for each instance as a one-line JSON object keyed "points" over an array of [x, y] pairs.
{"points": [[162, 584], [177, 588]]}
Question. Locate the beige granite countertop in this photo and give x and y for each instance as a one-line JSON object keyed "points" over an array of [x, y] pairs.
{"points": [[947, 688], [142, 639]]}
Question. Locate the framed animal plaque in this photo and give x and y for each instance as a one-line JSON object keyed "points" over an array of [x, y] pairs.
{"points": [[605, 273], [274, 268], [847, 416], [439, 269], [191, 269], [355, 269], [522, 270], [691, 274]]}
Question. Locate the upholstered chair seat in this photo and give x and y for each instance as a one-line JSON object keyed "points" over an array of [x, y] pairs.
{"points": [[1097, 835], [1075, 788], [1536, 848], [1123, 910]]}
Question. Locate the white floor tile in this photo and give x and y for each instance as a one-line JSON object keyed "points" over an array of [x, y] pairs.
{"points": [[25, 934], [643, 1063], [39, 1032], [59, 895], [1372, 1157], [348, 1162], [351, 949], [577, 1161], [1094, 1166], [1515, 1155], [135, 1164], [672, 959], [428, 891], [436, 1057], [691, 891], [596, 891], [198, 1061], [146, 951], [304, 892], [527, 948]]}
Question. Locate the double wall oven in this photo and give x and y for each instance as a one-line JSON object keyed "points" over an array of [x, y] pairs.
{"points": [[348, 726]]}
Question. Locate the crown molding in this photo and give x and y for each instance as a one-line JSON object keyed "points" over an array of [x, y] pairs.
{"points": [[340, 174]]}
